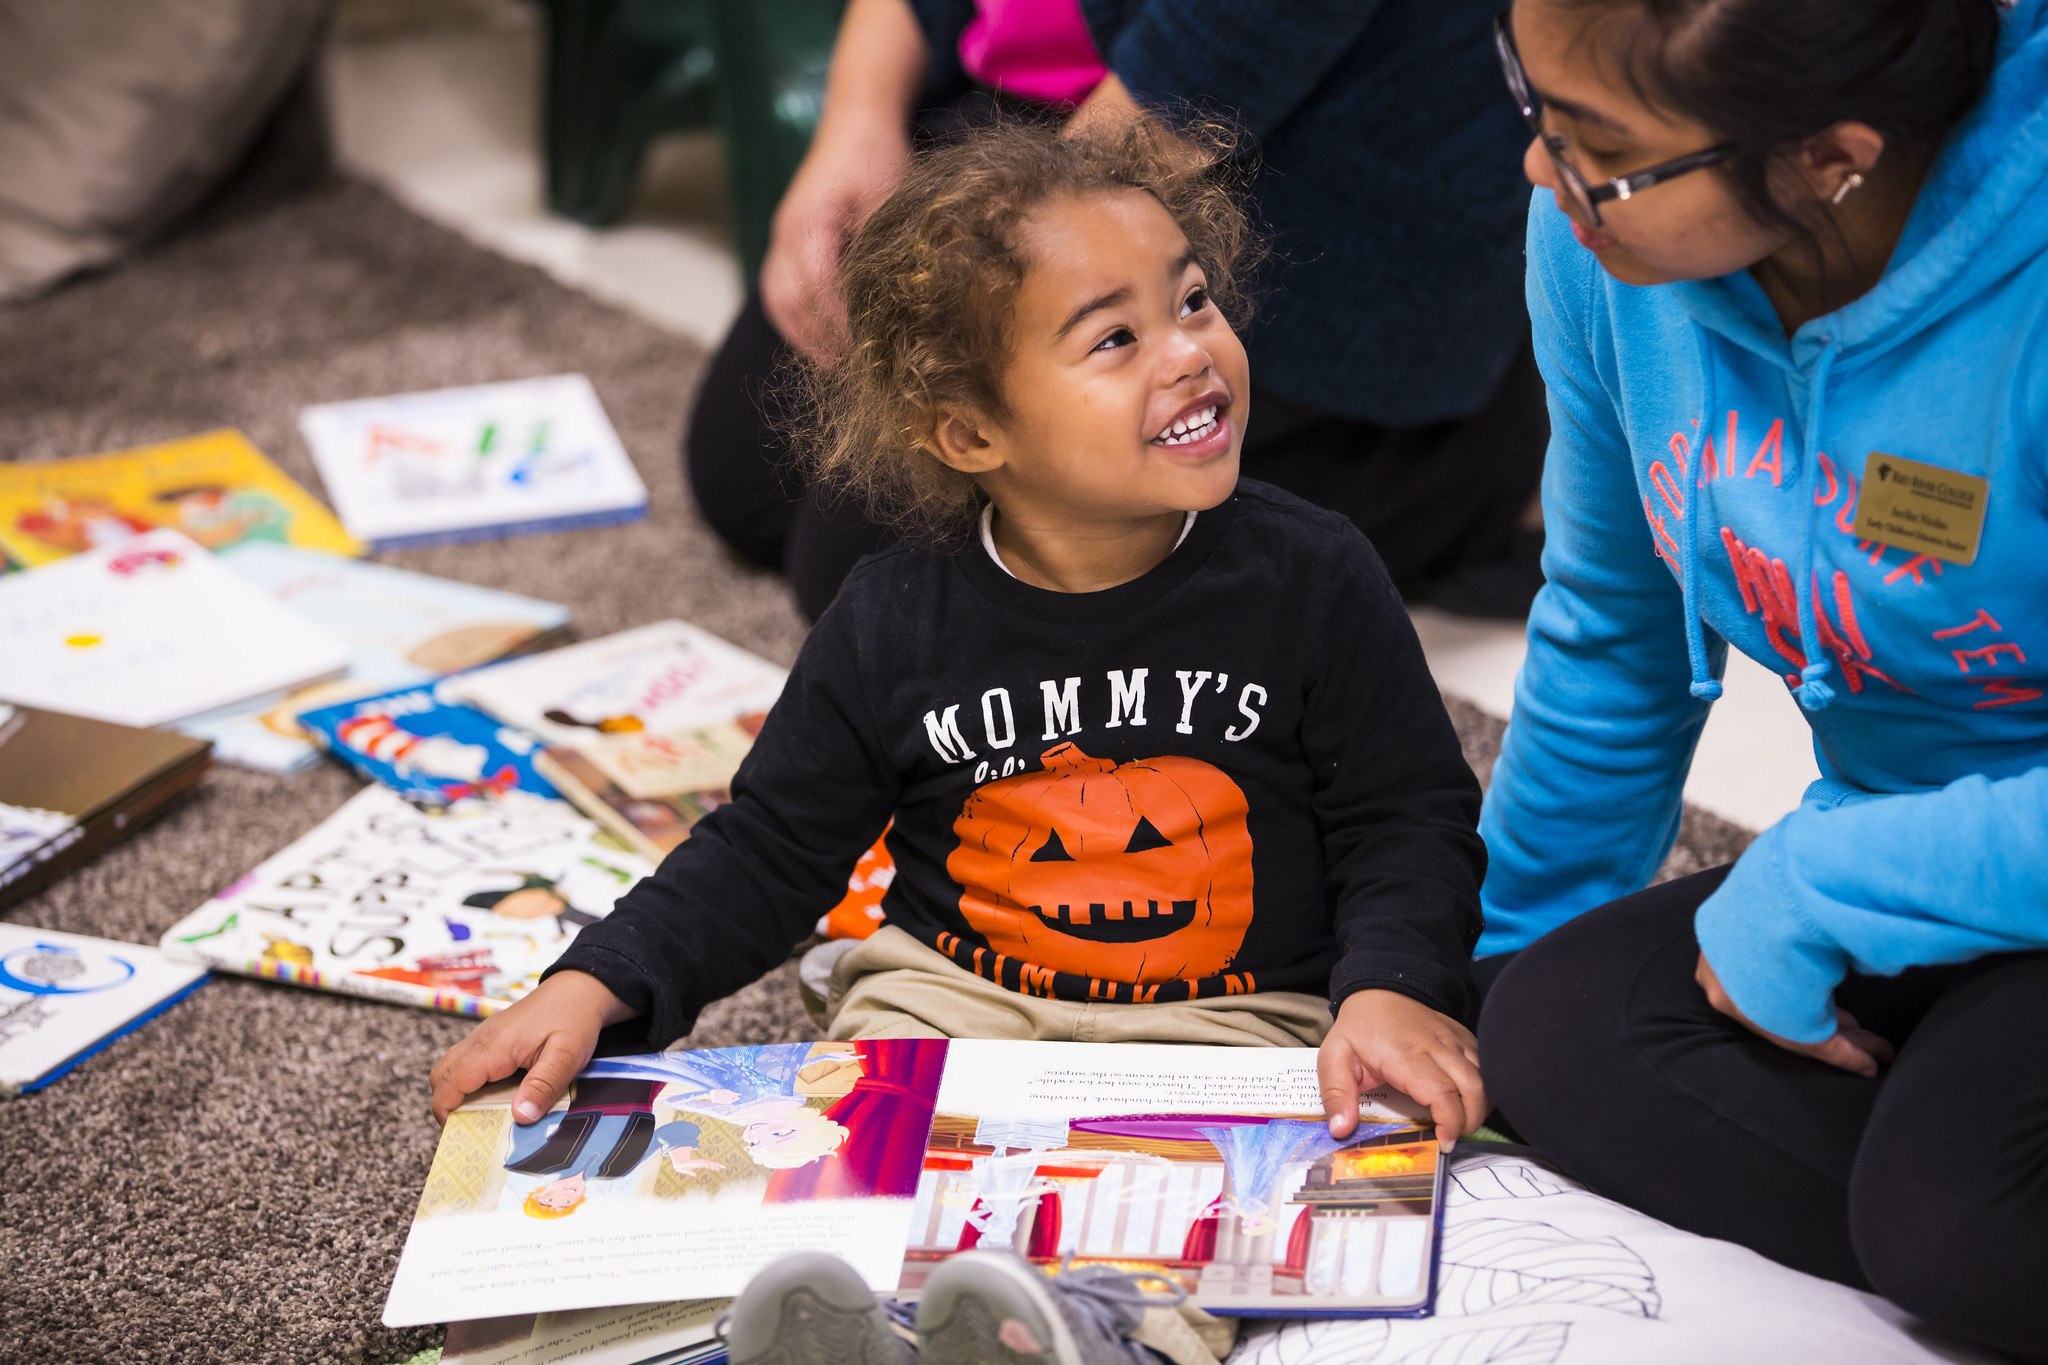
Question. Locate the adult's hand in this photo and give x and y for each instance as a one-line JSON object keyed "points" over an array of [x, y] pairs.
{"points": [[1109, 106], [856, 157], [1851, 1047]]}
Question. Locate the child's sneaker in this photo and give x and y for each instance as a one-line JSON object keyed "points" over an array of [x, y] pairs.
{"points": [[808, 1308], [988, 1308]]}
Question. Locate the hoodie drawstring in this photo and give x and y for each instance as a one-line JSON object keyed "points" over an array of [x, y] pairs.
{"points": [[1704, 684], [1813, 693]]}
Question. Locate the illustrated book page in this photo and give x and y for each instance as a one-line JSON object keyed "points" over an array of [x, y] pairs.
{"points": [[215, 487], [400, 629], [151, 630], [64, 996], [616, 692], [1209, 1165], [458, 911], [679, 1175], [434, 751], [473, 463]]}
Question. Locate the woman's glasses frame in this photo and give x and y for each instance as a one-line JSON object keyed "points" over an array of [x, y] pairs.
{"points": [[1586, 197]]}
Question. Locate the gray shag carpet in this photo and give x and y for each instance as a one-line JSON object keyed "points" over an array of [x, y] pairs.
{"points": [[233, 1182]]}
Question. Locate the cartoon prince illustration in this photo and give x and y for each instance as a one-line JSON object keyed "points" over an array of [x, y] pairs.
{"points": [[753, 1088], [607, 1133]]}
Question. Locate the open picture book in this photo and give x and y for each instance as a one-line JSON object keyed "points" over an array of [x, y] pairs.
{"points": [[678, 1175]]}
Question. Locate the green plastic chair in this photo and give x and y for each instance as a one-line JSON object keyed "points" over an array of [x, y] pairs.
{"points": [[622, 72]]}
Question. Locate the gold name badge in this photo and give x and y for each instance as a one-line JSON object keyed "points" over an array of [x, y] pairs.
{"points": [[1921, 507]]}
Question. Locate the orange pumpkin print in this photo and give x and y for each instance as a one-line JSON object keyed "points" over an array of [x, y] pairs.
{"points": [[1138, 871]]}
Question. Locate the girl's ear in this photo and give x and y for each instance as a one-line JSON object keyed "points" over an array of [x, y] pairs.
{"points": [[956, 440], [1830, 157]]}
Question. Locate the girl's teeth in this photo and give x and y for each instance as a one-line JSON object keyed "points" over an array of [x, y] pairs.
{"points": [[1184, 428]]}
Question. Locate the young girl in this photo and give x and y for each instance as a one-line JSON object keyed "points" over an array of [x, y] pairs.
{"points": [[1788, 291], [1163, 758]]}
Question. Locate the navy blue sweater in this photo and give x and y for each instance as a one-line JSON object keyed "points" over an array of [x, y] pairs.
{"points": [[1390, 180]]}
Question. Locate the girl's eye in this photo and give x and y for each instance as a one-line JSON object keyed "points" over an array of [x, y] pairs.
{"points": [[1120, 337], [1196, 301]]}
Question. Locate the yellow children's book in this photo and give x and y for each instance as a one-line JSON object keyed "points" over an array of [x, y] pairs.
{"points": [[215, 487]]}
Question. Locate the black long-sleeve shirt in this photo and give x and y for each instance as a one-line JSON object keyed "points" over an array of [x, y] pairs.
{"points": [[1230, 774]]}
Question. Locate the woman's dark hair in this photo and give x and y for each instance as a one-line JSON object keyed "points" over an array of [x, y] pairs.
{"points": [[931, 277], [1764, 74]]}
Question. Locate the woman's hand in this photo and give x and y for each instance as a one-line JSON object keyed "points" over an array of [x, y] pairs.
{"points": [[1852, 1047], [1386, 1038], [835, 188], [551, 1033], [856, 157]]}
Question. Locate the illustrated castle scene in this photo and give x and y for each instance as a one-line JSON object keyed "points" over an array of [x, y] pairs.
{"points": [[1238, 1208]]}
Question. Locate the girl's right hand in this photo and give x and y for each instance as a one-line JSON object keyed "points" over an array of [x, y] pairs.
{"points": [[551, 1033]]}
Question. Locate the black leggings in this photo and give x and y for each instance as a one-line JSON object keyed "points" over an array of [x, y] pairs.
{"points": [[1929, 1184], [1430, 500]]}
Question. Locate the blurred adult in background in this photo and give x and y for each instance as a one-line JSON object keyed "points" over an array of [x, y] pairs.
{"points": [[1396, 383]]}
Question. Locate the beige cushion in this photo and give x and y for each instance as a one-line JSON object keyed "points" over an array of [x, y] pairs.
{"points": [[116, 116]]}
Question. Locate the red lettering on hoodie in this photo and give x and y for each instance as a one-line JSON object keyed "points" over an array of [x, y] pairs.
{"points": [[1982, 619], [1773, 446], [2004, 692]]}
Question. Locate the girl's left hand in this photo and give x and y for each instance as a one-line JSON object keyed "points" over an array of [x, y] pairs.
{"points": [[1852, 1047], [1384, 1037]]}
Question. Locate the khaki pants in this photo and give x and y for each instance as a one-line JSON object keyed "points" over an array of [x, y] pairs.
{"points": [[892, 986]]}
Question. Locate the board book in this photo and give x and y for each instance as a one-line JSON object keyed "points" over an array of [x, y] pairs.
{"points": [[679, 1175], [477, 463], [615, 692], [433, 751], [643, 730], [63, 997], [458, 911], [72, 787], [149, 631], [215, 487], [400, 629]]}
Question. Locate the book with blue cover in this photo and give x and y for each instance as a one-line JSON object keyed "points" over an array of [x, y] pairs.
{"points": [[429, 748], [401, 629], [63, 997]]}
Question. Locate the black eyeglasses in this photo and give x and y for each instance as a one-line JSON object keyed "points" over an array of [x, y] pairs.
{"points": [[1586, 197]]}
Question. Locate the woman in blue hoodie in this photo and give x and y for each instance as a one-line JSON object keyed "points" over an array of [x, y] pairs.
{"points": [[1788, 291]]}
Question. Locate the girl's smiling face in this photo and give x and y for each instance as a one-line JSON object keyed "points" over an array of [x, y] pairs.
{"points": [[1127, 389], [1692, 227]]}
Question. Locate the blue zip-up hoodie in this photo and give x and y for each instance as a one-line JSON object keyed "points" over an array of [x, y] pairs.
{"points": [[1701, 488]]}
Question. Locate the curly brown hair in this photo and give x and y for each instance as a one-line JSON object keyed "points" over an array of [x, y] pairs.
{"points": [[930, 280]]}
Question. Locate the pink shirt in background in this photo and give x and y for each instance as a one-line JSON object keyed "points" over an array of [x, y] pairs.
{"points": [[1036, 49]]}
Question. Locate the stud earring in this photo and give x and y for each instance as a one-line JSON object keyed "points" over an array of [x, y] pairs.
{"points": [[1854, 181]]}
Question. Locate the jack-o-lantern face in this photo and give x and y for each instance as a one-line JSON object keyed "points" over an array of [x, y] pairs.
{"points": [[1138, 871]]}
